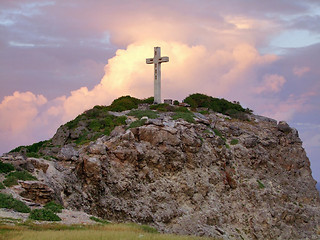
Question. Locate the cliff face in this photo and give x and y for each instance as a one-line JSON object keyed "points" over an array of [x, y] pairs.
{"points": [[215, 177]]}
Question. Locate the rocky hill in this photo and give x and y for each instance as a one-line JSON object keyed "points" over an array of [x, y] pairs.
{"points": [[199, 172]]}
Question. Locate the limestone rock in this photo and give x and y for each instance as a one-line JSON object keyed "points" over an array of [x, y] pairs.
{"points": [[182, 178], [36, 191]]}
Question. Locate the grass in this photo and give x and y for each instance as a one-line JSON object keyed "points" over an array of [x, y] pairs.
{"points": [[7, 201], [44, 215], [99, 220], [187, 116], [13, 177], [80, 232]]}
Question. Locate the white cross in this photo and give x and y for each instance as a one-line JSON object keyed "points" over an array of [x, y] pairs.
{"points": [[157, 60]]}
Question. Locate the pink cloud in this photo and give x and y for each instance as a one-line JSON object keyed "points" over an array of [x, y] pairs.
{"points": [[300, 71], [272, 83]]}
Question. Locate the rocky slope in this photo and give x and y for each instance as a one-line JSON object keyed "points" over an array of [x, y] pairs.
{"points": [[215, 176]]}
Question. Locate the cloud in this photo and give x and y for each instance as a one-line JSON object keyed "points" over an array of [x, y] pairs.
{"points": [[272, 83], [300, 71]]}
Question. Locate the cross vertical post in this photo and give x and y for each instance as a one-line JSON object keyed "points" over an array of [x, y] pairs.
{"points": [[157, 60]]}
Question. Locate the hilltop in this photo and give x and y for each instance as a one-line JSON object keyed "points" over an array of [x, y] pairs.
{"points": [[210, 169]]}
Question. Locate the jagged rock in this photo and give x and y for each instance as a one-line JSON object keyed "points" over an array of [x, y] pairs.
{"points": [[67, 153], [181, 178], [75, 133], [284, 127], [36, 191], [61, 136]]}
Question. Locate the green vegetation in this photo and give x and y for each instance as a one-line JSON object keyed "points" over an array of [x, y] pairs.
{"points": [[137, 123], [7, 201], [44, 215], [13, 177], [54, 207], [187, 116], [176, 102], [6, 167], [223, 106], [227, 145], [162, 107], [97, 121], [261, 185], [127, 103], [141, 113], [99, 220], [217, 132], [32, 150], [2, 186], [31, 231], [234, 141]]}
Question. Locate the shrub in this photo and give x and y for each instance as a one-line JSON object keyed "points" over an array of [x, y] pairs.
{"points": [[187, 116], [124, 103], [13, 177], [181, 109], [44, 215], [141, 113], [137, 123], [6, 167], [149, 100], [218, 105], [99, 220], [234, 141], [54, 207], [32, 150], [176, 102], [7, 201], [2, 186]]}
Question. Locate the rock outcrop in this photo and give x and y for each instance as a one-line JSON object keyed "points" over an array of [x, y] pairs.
{"points": [[215, 177]]}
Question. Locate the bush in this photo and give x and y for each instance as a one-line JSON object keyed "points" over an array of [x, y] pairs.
{"points": [[218, 105], [124, 103], [13, 177], [99, 220], [6, 167], [181, 109], [149, 100], [141, 113], [187, 116], [234, 141], [137, 123], [2, 186], [7, 201], [54, 207], [44, 215], [176, 102]]}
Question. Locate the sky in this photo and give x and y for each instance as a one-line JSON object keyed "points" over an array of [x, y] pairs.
{"points": [[59, 58]]}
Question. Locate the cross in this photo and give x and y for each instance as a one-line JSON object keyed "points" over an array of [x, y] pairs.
{"points": [[157, 60]]}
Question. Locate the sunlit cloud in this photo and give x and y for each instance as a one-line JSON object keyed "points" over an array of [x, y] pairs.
{"points": [[272, 83], [300, 71]]}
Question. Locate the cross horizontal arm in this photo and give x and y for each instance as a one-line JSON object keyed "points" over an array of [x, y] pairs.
{"points": [[163, 59], [149, 60]]}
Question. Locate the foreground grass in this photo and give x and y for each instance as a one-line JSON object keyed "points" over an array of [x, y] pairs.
{"points": [[80, 232]]}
